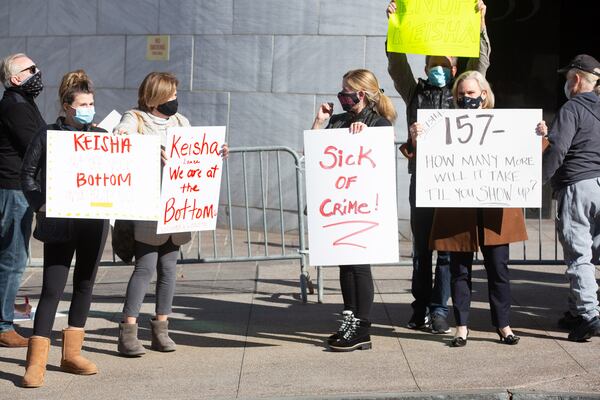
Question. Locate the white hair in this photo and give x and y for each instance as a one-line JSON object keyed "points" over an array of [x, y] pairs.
{"points": [[7, 68], [591, 80]]}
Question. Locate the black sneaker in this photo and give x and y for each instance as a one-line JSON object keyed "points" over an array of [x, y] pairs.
{"points": [[439, 324], [568, 321], [418, 322], [584, 329]]}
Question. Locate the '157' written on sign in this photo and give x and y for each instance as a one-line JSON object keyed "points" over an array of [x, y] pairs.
{"points": [[479, 158]]}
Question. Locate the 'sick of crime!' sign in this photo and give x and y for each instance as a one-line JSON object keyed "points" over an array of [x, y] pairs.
{"points": [[351, 196]]}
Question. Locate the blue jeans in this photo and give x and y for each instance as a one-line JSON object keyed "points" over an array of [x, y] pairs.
{"points": [[15, 231], [428, 299], [578, 226]]}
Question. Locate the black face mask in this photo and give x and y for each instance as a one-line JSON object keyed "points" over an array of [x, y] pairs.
{"points": [[33, 85], [169, 108], [348, 100], [469, 102]]}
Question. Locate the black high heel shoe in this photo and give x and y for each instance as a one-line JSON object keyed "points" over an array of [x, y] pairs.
{"points": [[510, 339], [459, 341]]}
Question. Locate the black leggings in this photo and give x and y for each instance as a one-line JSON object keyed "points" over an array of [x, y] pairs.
{"points": [[88, 241], [357, 289]]}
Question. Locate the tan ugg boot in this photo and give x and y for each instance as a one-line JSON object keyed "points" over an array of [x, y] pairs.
{"points": [[72, 361], [37, 357], [12, 339]]}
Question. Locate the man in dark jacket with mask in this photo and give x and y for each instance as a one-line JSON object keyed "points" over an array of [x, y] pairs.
{"points": [[20, 120], [572, 164], [430, 309]]}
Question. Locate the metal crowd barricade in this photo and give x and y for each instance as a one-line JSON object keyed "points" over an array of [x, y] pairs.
{"points": [[256, 208], [277, 198]]}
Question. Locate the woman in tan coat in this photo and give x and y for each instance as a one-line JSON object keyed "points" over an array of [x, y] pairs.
{"points": [[463, 231]]}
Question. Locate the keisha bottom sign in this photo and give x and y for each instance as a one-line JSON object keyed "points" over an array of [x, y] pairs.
{"points": [[191, 179], [102, 176]]}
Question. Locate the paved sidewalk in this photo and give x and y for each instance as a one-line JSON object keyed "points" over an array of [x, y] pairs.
{"points": [[242, 332]]}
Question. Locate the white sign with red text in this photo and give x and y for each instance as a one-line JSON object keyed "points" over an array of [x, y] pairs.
{"points": [[102, 176], [191, 179], [479, 158], [351, 196]]}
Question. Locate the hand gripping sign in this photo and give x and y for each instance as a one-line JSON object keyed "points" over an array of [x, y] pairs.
{"points": [[479, 158], [191, 179], [102, 176], [351, 196]]}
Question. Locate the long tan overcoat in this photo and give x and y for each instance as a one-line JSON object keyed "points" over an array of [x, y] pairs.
{"points": [[456, 229]]}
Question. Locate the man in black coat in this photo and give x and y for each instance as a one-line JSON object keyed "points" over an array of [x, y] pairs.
{"points": [[430, 308], [20, 120]]}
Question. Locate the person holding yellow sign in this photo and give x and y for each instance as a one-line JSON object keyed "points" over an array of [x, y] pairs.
{"points": [[430, 310]]}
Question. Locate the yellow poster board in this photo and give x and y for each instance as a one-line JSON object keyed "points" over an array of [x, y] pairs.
{"points": [[435, 27], [157, 48]]}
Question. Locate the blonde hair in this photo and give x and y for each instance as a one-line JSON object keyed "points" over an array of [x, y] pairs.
{"points": [[7, 68], [72, 84], [156, 88], [484, 85], [363, 80]]}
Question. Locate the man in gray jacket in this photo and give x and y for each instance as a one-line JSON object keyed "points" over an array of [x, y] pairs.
{"points": [[572, 164]]}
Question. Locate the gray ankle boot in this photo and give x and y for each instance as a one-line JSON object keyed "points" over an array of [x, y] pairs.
{"points": [[160, 336], [129, 345]]}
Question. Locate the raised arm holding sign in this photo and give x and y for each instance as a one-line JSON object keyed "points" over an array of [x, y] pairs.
{"points": [[434, 92]]}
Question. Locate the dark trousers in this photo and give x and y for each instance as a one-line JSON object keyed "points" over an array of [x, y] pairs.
{"points": [[88, 242], [496, 266], [357, 289], [428, 298]]}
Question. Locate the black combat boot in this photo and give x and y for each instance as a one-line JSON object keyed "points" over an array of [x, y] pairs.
{"points": [[356, 337], [347, 317]]}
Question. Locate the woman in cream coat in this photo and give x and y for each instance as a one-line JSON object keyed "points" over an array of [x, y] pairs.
{"points": [[156, 111]]}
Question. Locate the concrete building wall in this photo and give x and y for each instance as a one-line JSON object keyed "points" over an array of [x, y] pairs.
{"points": [[260, 67]]}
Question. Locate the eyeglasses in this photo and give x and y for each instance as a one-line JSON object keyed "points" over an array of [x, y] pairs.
{"points": [[32, 69]]}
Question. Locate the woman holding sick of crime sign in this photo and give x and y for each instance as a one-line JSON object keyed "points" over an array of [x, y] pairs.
{"points": [[156, 111], [462, 231], [62, 237], [364, 105]]}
